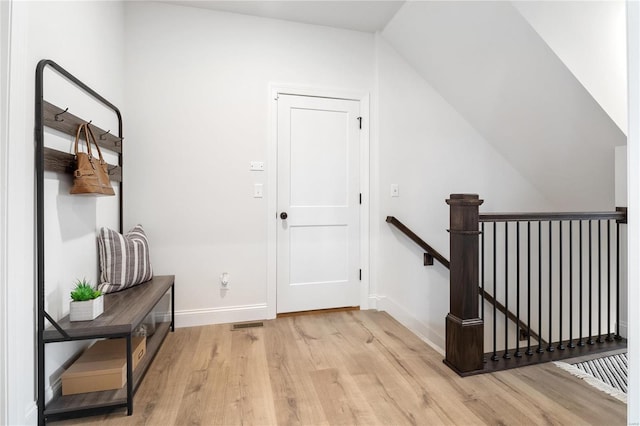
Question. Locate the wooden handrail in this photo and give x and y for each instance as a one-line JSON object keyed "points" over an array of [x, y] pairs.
{"points": [[620, 215], [419, 241], [488, 297]]}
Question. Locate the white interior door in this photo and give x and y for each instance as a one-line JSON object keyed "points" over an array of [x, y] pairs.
{"points": [[318, 260]]}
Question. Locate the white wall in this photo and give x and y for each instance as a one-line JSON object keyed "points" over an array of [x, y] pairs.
{"points": [[622, 201], [426, 147], [5, 27], [66, 33], [195, 99], [590, 38], [487, 61], [633, 181], [197, 96]]}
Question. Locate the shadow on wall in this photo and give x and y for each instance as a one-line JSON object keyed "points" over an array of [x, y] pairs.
{"points": [[76, 213]]}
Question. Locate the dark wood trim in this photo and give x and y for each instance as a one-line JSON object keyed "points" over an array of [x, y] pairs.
{"points": [[63, 162], [68, 123], [464, 344], [534, 217], [464, 327], [546, 356], [419, 241], [623, 210], [427, 260]]}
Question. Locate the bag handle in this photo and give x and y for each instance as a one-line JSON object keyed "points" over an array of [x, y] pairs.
{"points": [[75, 149], [88, 132]]}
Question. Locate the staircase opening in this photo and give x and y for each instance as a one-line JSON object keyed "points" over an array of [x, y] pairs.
{"points": [[528, 288]]}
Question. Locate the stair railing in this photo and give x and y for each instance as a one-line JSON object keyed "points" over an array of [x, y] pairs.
{"points": [[547, 274], [554, 269], [430, 254]]}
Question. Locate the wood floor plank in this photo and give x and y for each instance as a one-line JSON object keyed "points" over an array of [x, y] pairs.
{"points": [[295, 398], [200, 403], [354, 367], [398, 395], [341, 399], [247, 396], [166, 379], [310, 336]]}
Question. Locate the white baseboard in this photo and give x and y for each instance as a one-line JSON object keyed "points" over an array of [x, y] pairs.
{"points": [[402, 315], [54, 389], [31, 414], [227, 314], [624, 329], [374, 299]]}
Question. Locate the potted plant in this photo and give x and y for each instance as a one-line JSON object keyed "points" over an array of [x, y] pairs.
{"points": [[87, 303]]}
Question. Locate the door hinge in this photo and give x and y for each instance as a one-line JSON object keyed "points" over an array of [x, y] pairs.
{"points": [[360, 275], [360, 122], [361, 198]]}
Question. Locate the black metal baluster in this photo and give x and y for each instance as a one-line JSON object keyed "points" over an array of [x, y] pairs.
{"points": [[580, 341], [550, 347], [517, 354], [506, 354], [560, 270], [494, 357], [599, 339], [609, 334], [529, 351], [590, 341], [540, 350], [571, 344]]}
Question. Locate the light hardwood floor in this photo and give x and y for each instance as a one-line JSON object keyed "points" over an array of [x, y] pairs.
{"points": [[345, 368]]}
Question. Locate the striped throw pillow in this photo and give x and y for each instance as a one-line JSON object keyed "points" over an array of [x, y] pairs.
{"points": [[124, 259]]}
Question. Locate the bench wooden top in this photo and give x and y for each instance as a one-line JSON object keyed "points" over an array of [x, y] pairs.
{"points": [[123, 312]]}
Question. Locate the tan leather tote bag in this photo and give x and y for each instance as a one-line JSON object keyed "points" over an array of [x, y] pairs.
{"points": [[91, 175]]}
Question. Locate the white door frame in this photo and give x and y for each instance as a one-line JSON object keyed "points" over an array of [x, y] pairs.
{"points": [[633, 203], [5, 38], [272, 175]]}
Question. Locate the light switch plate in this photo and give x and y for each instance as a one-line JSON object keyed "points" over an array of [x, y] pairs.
{"points": [[256, 166], [257, 190], [395, 190]]}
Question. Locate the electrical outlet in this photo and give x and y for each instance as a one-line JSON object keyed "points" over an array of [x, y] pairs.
{"points": [[224, 280]]}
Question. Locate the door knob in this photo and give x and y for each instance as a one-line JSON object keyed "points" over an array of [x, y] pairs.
{"points": [[283, 215]]}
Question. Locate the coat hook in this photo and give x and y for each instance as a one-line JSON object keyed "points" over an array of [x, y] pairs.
{"points": [[102, 136], [56, 117]]}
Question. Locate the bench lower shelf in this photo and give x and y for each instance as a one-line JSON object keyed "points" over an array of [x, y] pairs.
{"points": [[93, 401]]}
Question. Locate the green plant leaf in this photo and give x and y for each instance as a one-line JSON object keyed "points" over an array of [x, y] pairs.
{"points": [[84, 291]]}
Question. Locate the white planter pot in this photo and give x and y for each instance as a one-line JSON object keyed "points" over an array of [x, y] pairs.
{"points": [[87, 310]]}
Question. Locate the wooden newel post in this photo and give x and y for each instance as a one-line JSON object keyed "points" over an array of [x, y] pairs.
{"points": [[464, 327]]}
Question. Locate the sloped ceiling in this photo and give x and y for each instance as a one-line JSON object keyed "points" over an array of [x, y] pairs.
{"points": [[491, 65], [590, 37]]}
